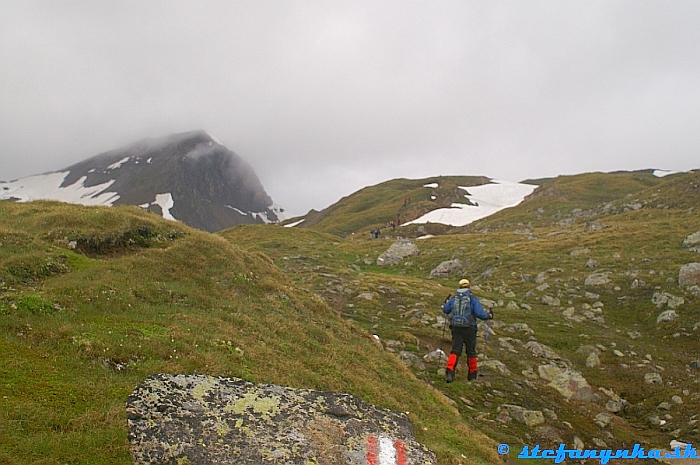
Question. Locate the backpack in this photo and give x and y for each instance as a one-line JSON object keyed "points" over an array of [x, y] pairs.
{"points": [[462, 311]]}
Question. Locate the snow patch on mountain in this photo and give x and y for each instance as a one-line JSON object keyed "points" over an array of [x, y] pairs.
{"points": [[116, 165], [215, 139], [487, 200], [165, 202], [296, 223], [662, 173], [48, 187]]}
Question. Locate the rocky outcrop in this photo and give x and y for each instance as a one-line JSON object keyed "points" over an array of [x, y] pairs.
{"points": [[399, 250], [204, 420]]}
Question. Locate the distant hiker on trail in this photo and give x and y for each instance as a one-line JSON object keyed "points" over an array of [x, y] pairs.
{"points": [[463, 309]]}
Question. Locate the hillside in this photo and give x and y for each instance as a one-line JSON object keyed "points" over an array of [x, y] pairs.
{"points": [[95, 299], [582, 283], [375, 206]]}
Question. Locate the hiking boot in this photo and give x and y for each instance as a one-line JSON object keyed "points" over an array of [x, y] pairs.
{"points": [[471, 376], [450, 376]]}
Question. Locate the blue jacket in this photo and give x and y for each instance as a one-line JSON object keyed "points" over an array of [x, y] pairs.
{"points": [[477, 310]]}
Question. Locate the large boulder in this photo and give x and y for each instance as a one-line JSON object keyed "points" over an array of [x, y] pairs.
{"points": [[399, 250], [205, 420], [689, 274]]}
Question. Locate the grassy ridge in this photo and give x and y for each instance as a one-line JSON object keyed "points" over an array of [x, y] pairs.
{"points": [[373, 207], [93, 300]]}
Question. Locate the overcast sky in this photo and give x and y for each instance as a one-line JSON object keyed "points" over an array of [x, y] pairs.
{"points": [[323, 98]]}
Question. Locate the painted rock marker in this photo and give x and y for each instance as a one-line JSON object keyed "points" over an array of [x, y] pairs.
{"points": [[385, 451]]}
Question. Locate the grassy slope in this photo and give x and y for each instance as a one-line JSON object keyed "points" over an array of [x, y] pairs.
{"points": [[373, 207], [642, 244], [140, 295]]}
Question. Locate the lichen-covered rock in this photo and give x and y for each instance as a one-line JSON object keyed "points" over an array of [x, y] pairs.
{"points": [[197, 419], [399, 250]]}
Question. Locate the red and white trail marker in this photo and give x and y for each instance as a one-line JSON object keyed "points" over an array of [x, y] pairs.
{"points": [[385, 451]]}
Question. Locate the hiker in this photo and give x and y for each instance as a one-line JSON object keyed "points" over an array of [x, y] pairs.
{"points": [[463, 309]]}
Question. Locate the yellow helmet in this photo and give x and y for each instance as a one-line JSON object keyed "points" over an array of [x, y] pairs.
{"points": [[464, 283]]}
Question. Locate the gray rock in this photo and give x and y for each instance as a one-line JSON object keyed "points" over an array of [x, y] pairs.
{"points": [[653, 378], [597, 279], [552, 301], [664, 298], [603, 419], [519, 327], [541, 350], [689, 275], [528, 417], [587, 349], [436, 356], [692, 242], [592, 360], [203, 419], [667, 316], [399, 250], [576, 253], [569, 383], [411, 360], [512, 306], [495, 365], [447, 268], [615, 405]]}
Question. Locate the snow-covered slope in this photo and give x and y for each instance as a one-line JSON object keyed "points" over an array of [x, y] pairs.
{"points": [[49, 187], [487, 199], [190, 177]]}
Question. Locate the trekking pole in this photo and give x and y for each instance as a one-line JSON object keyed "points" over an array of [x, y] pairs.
{"points": [[488, 330], [444, 325]]}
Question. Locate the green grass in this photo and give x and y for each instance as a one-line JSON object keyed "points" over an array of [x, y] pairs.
{"points": [[76, 342]]}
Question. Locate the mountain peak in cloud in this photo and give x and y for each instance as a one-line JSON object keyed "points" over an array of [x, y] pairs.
{"points": [[191, 177]]}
